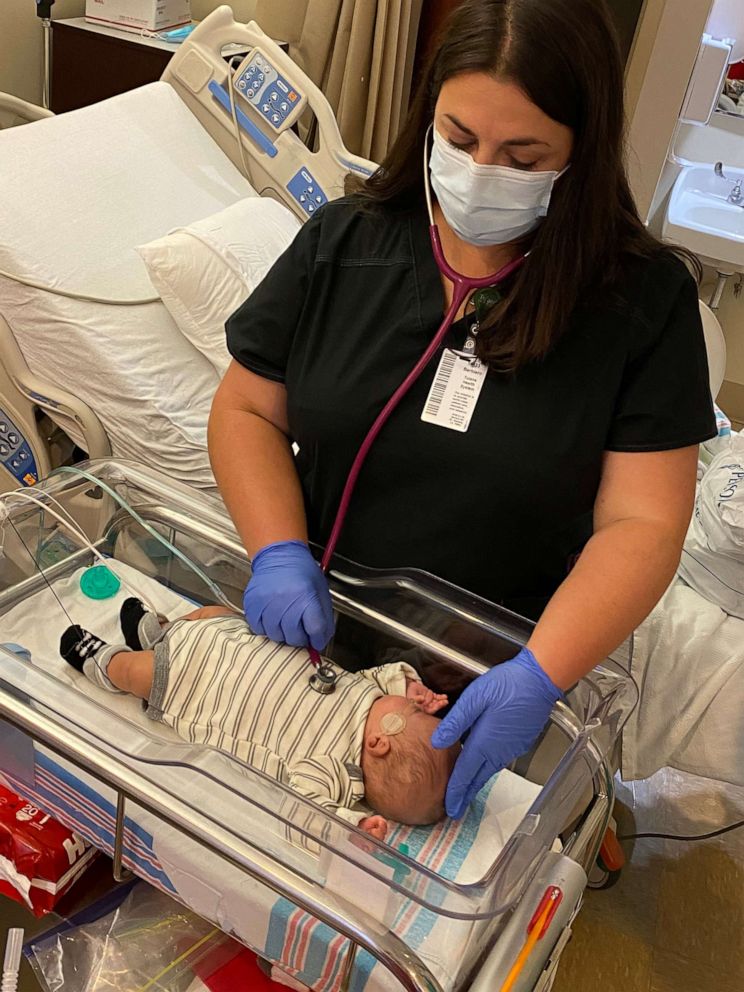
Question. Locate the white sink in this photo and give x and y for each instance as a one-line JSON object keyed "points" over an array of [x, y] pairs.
{"points": [[701, 218]]}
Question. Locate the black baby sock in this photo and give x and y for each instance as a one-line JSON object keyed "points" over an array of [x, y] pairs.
{"points": [[141, 629], [89, 654]]}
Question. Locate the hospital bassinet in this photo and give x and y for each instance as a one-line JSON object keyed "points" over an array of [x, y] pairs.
{"points": [[443, 909]]}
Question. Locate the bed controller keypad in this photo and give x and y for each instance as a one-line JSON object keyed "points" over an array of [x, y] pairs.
{"points": [[268, 91], [15, 452], [307, 192]]}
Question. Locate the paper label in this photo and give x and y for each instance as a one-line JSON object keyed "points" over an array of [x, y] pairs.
{"points": [[454, 392]]}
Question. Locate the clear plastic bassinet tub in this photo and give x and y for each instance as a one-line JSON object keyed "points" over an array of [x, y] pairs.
{"points": [[441, 908]]}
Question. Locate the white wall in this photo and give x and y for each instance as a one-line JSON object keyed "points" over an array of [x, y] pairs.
{"points": [[21, 45], [721, 141], [243, 9], [660, 68], [657, 77], [727, 21]]}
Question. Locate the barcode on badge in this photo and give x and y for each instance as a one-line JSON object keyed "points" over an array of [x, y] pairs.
{"points": [[439, 386]]}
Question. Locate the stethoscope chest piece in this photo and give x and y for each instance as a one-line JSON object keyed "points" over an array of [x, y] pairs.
{"points": [[323, 680]]}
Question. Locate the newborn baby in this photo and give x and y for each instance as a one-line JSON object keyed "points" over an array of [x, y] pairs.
{"points": [[215, 682]]}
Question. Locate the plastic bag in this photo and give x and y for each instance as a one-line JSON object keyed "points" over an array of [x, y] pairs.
{"points": [[713, 558], [148, 944]]}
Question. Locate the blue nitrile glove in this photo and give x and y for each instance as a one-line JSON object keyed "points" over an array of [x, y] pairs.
{"points": [[287, 598], [505, 710]]}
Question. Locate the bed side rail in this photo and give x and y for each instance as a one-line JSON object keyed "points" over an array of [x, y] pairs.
{"points": [[23, 391], [510, 960], [20, 111]]}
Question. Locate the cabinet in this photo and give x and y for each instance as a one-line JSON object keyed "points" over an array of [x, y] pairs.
{"points": [[90, 63]]}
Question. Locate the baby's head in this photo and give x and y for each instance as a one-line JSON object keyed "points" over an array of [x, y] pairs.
{"points": [[405, 778]]}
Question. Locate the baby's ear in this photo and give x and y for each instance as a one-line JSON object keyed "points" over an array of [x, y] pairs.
{"points": [[377, 744]]}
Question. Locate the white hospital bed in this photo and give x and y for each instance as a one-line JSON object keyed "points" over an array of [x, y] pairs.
{"points": [[440, 909], [81, 191]]}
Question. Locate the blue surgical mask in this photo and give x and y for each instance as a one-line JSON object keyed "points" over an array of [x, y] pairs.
{"points": [[174, 37], [487, 204]]}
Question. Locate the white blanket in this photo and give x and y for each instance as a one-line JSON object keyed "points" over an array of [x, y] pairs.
{"points": [[688, 662]]}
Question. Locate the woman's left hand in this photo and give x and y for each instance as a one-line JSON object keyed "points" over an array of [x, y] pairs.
{"points": [[505, 710]]}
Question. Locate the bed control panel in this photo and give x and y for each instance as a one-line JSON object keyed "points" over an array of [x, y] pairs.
{"points": [[274, 96], [307, 192], [15, 452]]}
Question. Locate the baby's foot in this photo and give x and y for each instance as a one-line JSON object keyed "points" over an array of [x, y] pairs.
{"points": [[428, 701], [141, 628], [89, 654]]}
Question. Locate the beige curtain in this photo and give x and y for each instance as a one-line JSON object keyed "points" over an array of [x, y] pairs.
{"points": [[360, 52]]}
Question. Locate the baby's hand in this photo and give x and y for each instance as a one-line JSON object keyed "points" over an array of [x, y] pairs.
{"points": [[208, 612], [375, 825], [426, 700]]}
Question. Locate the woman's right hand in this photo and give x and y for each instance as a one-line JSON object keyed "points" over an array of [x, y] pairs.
{"points": [[287, 598]]}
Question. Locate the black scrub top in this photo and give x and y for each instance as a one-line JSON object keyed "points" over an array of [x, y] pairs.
{"points": [[503, 509]]}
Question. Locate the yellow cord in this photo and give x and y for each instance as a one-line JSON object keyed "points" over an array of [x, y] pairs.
{"points": [[194, 947]]}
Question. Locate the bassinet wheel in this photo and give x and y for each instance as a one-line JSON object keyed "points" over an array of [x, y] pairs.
{"points": [[602, 877]]}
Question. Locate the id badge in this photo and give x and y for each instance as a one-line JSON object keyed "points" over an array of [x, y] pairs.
{"points": [[454, 392]]}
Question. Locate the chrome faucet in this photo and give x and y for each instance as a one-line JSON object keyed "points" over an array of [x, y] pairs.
{"points": [[736, 196]]}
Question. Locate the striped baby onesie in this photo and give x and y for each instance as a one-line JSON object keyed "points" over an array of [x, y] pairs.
{"points": [[217, 683]]}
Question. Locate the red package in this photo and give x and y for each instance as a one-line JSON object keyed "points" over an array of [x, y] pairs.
{"points": [[230, 966], [39, 858]]}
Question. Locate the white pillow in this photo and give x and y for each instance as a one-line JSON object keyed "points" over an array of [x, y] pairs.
{"points": [[205, 271]]}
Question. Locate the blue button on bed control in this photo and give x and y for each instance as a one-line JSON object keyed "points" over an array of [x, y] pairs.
{"points": [[306, 191]]}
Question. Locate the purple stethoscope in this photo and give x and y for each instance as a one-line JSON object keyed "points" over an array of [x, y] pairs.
{"points": [[324, 678]]}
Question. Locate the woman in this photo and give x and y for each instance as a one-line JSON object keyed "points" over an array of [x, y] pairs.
{"points": [[568, 497]]}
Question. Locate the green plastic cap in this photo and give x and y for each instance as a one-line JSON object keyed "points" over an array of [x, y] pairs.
{"points": [[99, 582]]}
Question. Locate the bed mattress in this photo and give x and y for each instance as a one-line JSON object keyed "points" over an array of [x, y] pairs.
{"points": [[272, 926]]}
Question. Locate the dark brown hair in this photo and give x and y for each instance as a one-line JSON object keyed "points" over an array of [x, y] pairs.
{"points": [[564, 55]]}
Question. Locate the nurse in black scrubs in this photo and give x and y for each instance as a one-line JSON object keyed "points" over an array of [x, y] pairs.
{"points": [[568, 497]]}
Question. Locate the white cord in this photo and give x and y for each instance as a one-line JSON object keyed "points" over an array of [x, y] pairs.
{"points": [[236, 125], [12, 963], [72, 526], [70, 295]]}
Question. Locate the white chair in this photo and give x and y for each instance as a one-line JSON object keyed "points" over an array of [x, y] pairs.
{"points": [[715, 344]]}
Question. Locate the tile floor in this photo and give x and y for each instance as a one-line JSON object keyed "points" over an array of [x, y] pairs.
{"points": [[675, 920], [673, 923]]}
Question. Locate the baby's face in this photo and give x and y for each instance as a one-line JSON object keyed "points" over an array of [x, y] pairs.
{"points": [[405, 777]]}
